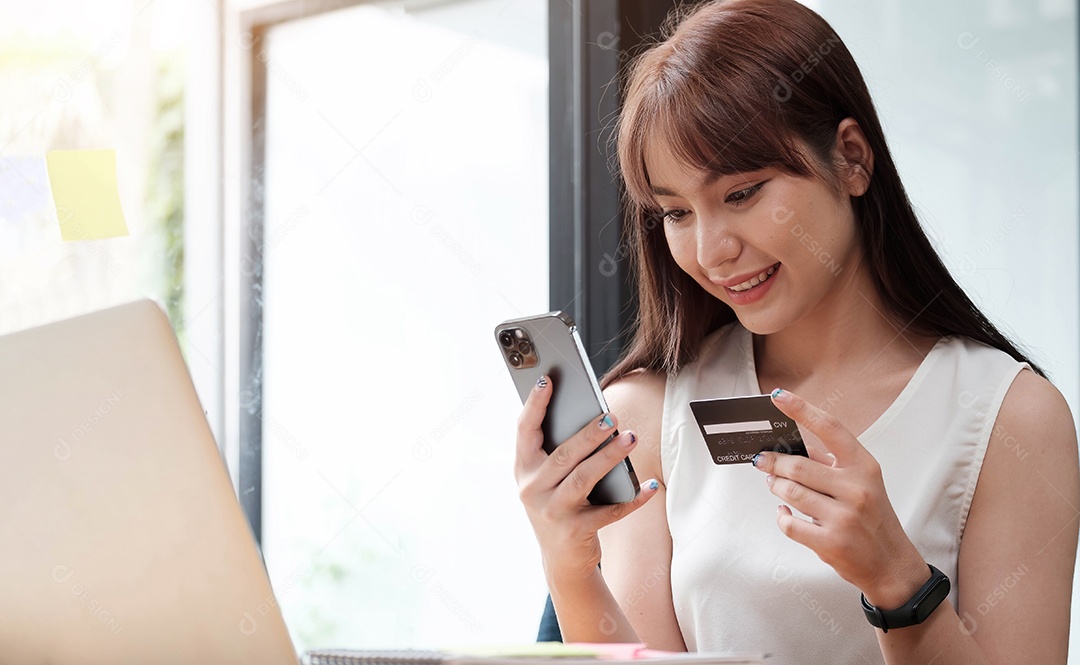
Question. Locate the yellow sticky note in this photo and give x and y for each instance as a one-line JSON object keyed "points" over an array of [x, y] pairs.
{"points": [[85, 192]]}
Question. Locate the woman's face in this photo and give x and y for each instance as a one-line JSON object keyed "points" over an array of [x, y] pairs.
{"points": [[727, 232]]}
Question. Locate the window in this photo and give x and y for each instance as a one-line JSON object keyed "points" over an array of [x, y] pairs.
{"points": [[405, 215], [110, 76], [978, 101]]}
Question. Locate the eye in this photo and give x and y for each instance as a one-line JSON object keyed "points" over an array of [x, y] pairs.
{"points": [[673, 216], [743, 195]]}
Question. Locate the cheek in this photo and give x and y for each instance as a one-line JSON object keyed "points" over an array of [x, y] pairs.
{"points": [[780, 224], [818, 242], [778, 234], [835, 229], [681, 246]]}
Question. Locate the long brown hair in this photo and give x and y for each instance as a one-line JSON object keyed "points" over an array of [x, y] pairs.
{"points": [[736, 86]]}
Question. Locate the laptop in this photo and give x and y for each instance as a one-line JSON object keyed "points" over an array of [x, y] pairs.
{"points": [[121, 539]]}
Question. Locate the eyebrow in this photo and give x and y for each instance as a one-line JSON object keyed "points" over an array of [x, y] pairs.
{"points": [[660, 190]]}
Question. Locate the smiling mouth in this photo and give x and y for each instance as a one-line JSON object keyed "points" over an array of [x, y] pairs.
{"points": [[754, 281]]}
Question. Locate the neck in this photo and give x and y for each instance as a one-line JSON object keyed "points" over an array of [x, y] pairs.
{"points": [[847, 334]]}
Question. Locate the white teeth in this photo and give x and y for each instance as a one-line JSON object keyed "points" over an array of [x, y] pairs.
{"points": [[754, 281]]}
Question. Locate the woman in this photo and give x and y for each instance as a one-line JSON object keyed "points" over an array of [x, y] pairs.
{"points": [[775, 247]]}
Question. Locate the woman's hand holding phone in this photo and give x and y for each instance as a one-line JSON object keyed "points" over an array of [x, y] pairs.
{"points": [[554, 488]]}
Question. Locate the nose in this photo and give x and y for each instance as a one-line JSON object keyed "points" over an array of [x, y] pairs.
{"points": [[715, 243]]}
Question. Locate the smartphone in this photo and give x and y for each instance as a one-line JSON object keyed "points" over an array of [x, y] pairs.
{"points": [[737, 428], [549, 344]]}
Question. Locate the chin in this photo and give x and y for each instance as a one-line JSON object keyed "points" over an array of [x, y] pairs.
{"points": [[762, 325]]}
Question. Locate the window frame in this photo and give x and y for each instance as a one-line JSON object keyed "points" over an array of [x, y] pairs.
{"points": [[247, 30], [589, 44]]}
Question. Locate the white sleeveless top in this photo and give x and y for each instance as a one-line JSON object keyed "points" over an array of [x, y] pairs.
{"points": [[737, 582]]}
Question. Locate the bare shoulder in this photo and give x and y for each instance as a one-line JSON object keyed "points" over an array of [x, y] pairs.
{"points": [[1032, 449], [637, 400], [1022, 525], [1035, 411], [641, 389], [1031, 457]]}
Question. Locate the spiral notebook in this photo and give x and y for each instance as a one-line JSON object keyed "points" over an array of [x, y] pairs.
{"points": [[541, 653]]}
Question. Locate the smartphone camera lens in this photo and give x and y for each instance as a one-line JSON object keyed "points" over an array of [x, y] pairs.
{"points": [[525, 346], [515, 359], [506, 338]]}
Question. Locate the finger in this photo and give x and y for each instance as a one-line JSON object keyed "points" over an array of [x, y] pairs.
{"points": [[568, 454], [801, 531], [814, 505], [831, 432], [575, 487], [530, 438], [807, 472], [601, 516]]}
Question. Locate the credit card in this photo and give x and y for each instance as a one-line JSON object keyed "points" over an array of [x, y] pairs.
{"points": [[737, 428]]}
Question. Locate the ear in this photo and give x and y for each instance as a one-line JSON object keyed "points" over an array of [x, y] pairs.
{"points": [[855, 156]]}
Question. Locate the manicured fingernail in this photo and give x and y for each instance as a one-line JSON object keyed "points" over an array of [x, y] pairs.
{"points": [[632, 439], [541, 383], [769, 479], [652, 484], [606, 422], [779, 509], [756, 459], [776, 393]]}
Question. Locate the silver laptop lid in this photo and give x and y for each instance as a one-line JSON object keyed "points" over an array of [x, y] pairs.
{"points": [[121, 540]]}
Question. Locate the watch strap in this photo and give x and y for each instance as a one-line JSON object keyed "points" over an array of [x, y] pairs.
{"points": [[908, 613]]}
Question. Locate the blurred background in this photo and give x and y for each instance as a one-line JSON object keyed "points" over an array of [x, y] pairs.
{"points": [[338, 200]]}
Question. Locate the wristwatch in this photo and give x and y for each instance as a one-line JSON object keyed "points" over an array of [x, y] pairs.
{"points": [[916, 610]]}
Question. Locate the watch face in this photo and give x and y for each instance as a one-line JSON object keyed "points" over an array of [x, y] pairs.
{"points": [[931, 599]]}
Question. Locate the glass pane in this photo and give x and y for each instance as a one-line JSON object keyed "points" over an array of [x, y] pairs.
{"points": [[406, 215], [75, 76], [978, 101]]}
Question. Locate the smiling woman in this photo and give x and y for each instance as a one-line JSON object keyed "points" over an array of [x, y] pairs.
{"points": [[697, 109], [774, 245]]}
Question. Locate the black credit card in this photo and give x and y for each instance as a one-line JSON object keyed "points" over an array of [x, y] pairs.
{"points": [[737, 428]]}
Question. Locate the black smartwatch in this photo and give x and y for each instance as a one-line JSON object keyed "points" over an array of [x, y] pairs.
{"points": [[916, 610]]}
